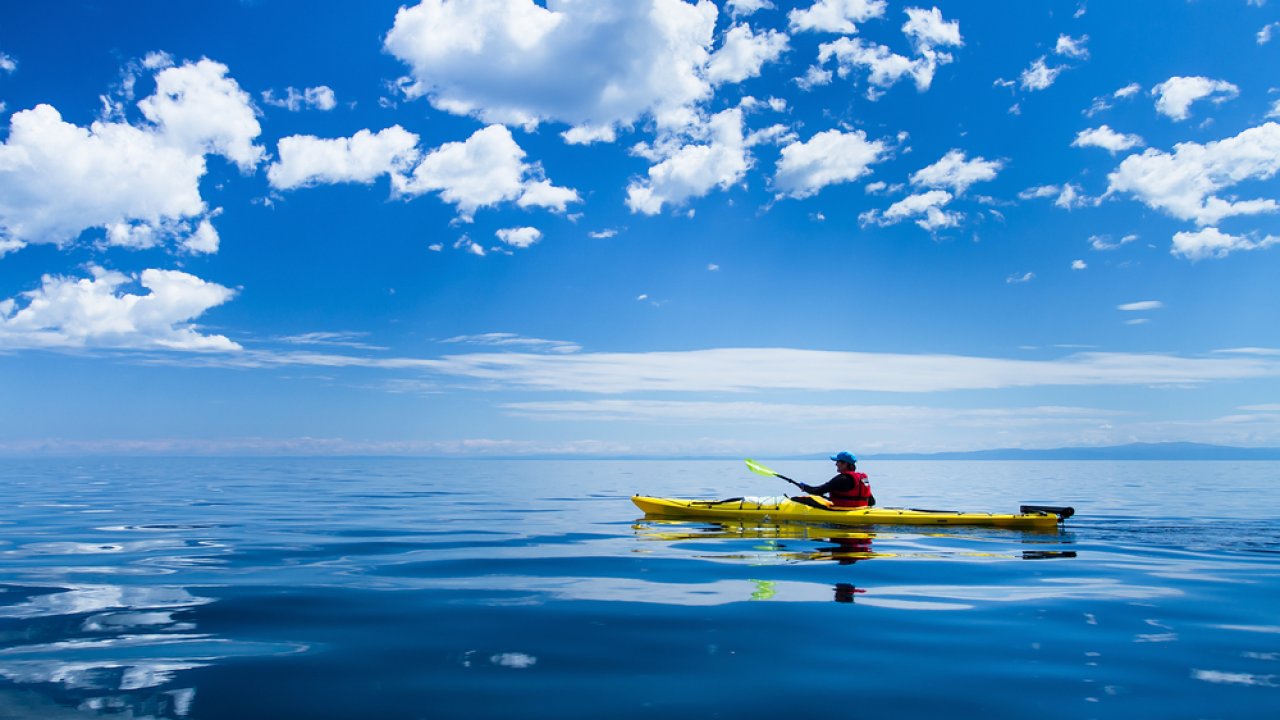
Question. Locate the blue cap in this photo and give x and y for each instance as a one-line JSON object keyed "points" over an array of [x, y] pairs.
{"points": [[845, 456]]}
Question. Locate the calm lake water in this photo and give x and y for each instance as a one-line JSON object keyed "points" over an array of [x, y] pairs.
{"points": [[396, 588]]}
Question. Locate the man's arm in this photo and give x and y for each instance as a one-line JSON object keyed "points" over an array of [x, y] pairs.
{"points": [[839, 482]]}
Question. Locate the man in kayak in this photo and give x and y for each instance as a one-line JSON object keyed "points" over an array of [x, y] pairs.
{"points": [[849, 488]]}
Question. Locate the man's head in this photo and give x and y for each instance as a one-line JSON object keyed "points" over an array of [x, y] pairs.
{"points": [[845, 459]]}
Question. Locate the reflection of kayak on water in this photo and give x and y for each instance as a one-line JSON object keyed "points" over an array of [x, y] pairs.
{"points": [[846, 545], [685, 528], [820, 510]]}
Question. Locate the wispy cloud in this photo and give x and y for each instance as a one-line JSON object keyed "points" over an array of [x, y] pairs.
{"points": [[331, 339], [512, 340], [1141, 306], [696, 412], [761, 369]]}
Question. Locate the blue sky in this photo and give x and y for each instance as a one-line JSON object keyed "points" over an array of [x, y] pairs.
{"points": [[504, 228]]}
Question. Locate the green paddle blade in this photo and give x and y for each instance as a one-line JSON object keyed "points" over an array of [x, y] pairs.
{"points": [[759, 469]]}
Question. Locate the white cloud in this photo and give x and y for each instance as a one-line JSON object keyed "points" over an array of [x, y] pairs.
{"points": [[815, 76], [1264, 35], [1072, 47], [955, 172], [1070, 198], [927, 30], [1104, 102], [140, 184], [927, 206], [835, 16], [1106, 138], [1040, 191], [1213, 243], [199, 108], [487, 169], [58, 180], [886, 67], [9, 245], [744, 53], [1103, 242], [1141, 306], [467, 244], [1078, 265], [307, 160], [1175, 95], [773, 135], [586, 135], [602, 234], [1020, 279], [544, 194], [1066, 196], [739, 8], [521, 237], [694, 169], [204, 240], [1185, 183], [602, 64], [157, 60], [96, 312], [7, 63], [1040, 76], [827, 158], [319, 98]]}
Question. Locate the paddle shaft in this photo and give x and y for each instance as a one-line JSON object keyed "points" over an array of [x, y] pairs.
{"points": [[793, 482]]}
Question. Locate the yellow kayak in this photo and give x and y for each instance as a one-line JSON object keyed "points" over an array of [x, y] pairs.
{"points": [[819, 510]]}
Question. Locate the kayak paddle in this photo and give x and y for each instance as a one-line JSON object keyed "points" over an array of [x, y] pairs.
{"points": [[759, 469]]}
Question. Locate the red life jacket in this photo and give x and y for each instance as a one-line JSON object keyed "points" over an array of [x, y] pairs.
{"points": [[857, 496]]}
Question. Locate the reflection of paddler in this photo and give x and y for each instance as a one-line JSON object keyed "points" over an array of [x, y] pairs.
{"points": [[847, 550], [845, 592]]}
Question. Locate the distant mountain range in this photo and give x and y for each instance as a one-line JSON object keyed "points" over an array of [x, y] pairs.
{"points": [[1134, 451]]}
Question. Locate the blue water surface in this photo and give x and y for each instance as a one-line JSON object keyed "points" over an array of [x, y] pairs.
{"points": [[405, 588]]}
